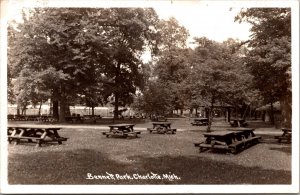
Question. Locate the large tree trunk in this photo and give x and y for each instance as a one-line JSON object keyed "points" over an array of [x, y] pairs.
{"points": [[62, 104], [229, 114], [210, 116], [93, 110], [55, 109], [286, 110], [62, 110], [55, 97]]}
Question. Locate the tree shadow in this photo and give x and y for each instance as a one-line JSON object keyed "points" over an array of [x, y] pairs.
{"points": [[287, 150], [72, 167]]}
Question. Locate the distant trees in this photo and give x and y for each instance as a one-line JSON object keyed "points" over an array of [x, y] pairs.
{"points": [[269, 58]]}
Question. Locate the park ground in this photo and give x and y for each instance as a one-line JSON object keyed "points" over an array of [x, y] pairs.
{"points": [[88, 151]]}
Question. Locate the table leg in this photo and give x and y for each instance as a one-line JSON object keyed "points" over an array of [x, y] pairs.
{"points": [[57, 136]]}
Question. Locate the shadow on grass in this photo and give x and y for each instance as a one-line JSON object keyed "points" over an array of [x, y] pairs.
{"points": [[72, 167], [287, 150]]}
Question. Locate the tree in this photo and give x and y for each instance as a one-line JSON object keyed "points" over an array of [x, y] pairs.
{"points": [[171, 65], [76, 48], [155, 99], [172, 69], [172, 35], [270, 56], [118, 37], [217, 75]]}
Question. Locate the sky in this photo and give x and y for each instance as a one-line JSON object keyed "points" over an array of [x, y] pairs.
{"points": [[214, 22]]}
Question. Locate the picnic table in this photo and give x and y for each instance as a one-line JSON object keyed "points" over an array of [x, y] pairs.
{"points": [[238, 123], [243, 133], [286, 135], [123, 130], [231, 140], [161, 127], [43, 118], [200, 121], [37, 134]]}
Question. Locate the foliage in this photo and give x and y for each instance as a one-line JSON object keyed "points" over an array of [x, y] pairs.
{"points": [[155, 99], [172, 35], [269, 58], [94, 53], [171, 66], [218, 76]]}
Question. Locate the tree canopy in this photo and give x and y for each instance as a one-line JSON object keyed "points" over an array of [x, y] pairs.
{"points": [[269, 57], [83, 50]]}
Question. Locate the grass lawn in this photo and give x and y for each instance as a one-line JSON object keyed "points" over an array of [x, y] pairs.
{"points": [[88, 151]]}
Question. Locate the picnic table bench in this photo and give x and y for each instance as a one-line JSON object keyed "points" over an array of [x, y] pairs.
{"points": [[232, 140], [200, 121], [123, 130], [38, 134], [286, 135], [162, 127], [238, 123]]}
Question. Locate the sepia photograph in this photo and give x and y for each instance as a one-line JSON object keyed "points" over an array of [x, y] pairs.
{"points": [[149, 96]]}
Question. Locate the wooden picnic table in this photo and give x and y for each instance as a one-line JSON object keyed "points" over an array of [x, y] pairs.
{"points": [[286, 135], [37, 134], [200, 121], [123, 130], [231, 140], [238, 123], [161, 127], [243, 133]]}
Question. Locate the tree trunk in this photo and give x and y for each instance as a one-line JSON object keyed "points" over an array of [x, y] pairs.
{"points": [[40, 108], [210, 115], [55, 109], [93, 110], [286, 110], [67, 109], [229, 114], [18, 111], [55, 97], [207, 113], [191, 112], [62, 110], [272, 114], [116, 111]]}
